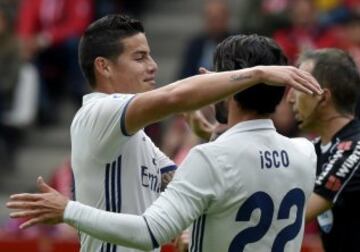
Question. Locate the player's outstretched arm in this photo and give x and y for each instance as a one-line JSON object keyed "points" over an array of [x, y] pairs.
{"points": [[200, 90], [51, 207]]}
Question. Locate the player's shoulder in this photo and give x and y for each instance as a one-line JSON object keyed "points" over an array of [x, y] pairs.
{"points": [[300, 141], [302, 145], [111, 98], [211, 152]]}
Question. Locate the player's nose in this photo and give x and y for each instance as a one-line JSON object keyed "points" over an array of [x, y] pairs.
{"points": [[153, 67]]}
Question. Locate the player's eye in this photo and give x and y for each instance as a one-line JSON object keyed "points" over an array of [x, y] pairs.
{"points": [[140, 57]]}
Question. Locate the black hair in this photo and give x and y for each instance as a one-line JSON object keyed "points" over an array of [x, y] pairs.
{"points": [[103, 38], [336, 70], [243, 51]]}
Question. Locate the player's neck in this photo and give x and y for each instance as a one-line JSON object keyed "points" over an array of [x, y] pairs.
{"points": [[332, 125], [237, 115]]}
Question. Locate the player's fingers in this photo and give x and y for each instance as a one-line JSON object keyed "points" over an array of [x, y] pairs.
{"points": [[203, 70], [28, 213], [23, 204], [305, 83], [311, 81], [26, 196], [43, 187], [32, 222], [297, 84]]}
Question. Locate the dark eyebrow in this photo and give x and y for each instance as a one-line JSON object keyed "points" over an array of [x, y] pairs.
{"points": [[141, 52]]}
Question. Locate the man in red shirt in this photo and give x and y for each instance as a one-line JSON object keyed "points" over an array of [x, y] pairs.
{"points": [[49, 31]]}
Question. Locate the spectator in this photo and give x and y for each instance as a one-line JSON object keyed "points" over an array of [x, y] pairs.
{"points": [[304, 31], [49, 32], [199, 51], [18, 88], [263, 16]]}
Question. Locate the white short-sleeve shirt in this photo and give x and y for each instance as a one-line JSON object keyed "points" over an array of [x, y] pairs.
{"points": [[246, 191], [112, 170]]}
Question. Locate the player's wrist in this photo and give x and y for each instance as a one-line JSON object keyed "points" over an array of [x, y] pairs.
{"points": [[258, 74], [69, 213]]}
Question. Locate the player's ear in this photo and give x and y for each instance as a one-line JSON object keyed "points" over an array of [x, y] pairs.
{"points": [[325, 98], [102, 66]]}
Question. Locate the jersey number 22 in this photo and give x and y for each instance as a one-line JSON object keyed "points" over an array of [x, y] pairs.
{"points": [[263, 201]]}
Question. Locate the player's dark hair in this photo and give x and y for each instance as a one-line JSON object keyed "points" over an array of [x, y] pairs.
{"points": [[336, 70], [243, 51], [103, 38]]}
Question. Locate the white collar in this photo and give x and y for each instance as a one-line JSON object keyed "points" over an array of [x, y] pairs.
{"points": [[250, 125]]}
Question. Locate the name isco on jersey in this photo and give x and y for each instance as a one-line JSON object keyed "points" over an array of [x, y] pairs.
{"points": [[271, 159], [150, 180]]}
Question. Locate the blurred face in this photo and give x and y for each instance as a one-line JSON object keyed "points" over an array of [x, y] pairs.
{"points": [[134, 70], [304, 106], [216, 18], [302, 12]]}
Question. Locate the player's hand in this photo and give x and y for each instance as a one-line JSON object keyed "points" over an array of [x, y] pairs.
{"points": [[199, 125], [203, 70], [46, 207], [289, 75]]}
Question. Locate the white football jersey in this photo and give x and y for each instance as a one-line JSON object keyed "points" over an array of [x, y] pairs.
{"points": [[112, 170], [246, 191]]}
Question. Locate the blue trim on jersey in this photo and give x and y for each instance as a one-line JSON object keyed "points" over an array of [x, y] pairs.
{"points": [[153, 240], [122, 119], [73, 188], [107, 192], [197, 235], [201, 238], [168, 169], [112, 193], [113, 189], [193, 236], [119, 184]]}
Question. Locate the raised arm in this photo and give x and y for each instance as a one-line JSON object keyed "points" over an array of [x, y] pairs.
{"points": [[198, 91]]}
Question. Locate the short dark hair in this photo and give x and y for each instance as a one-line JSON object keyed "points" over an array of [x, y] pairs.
{"points": [[103, 38], [243, 51], [336, 70]]}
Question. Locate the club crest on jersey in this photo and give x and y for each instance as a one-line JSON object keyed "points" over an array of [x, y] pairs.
{"points": [[346, 145]]}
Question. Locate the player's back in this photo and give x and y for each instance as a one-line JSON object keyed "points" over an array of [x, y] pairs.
{"points": [[262, 183]]}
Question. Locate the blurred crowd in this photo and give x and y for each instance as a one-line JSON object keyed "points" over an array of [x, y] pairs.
{"points": [[39, 69], [38, 62]]}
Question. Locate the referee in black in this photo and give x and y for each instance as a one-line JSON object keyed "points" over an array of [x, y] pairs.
{"points": [[335, 201]]}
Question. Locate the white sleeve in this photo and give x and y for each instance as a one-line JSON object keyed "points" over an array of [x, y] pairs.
{"points": [[188, 195], [186, 198], [122, 229], [109, 114], [106, 124]]}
